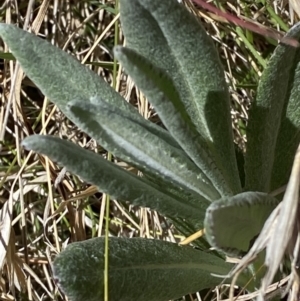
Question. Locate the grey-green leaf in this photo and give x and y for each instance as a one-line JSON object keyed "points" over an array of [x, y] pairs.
{"points": [[159, 89], [161, 92], [273, 131], [289, 133], [133, 142], [112, 179], [232, 224], [193, 65], [59, 75], [62, 78], [139, 269]]}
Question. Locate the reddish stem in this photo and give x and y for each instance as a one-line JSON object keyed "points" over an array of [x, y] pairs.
{"points": [[248, 25]]}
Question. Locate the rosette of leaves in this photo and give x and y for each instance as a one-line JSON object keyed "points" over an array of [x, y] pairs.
{"points": [[190, 169]]}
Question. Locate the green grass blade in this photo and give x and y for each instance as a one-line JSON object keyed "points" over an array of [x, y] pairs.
{"points": [[7, 56]]}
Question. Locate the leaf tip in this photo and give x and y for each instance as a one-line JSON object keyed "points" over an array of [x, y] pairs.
{"points": [[29, 143]]}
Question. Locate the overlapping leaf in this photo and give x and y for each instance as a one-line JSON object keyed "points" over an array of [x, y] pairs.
{"points": [[111, 178], [273, 131], [132, 141], [194, 67], [232, 224], [62, 78], [160, 90]]}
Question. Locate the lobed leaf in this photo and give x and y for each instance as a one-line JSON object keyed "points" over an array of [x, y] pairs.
{"points": [[112, 179], [139, 269], [193, 66]]}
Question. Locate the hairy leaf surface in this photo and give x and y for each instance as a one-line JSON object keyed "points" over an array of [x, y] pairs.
{"points": [[129, 139], [194, 67], [273, 131], [232, 224], [139, 269], [112, 179], [62, 78], [160, 90]]}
